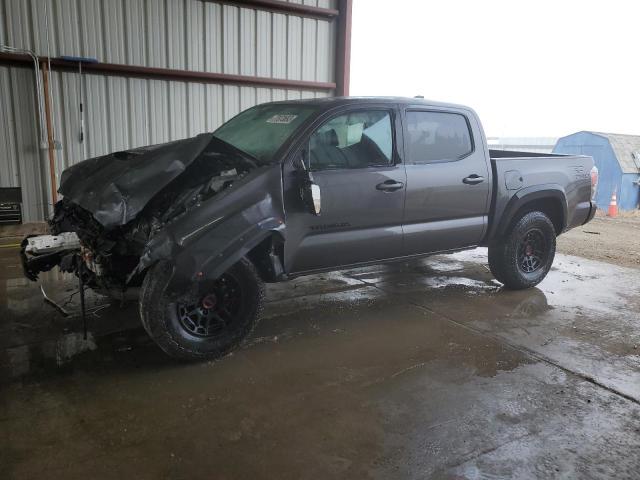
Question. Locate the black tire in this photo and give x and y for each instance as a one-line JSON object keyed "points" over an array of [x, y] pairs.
{"points": [[185, 329], [523, 257]]}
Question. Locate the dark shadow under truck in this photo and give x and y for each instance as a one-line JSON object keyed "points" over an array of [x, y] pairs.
{"points": [[195, 227]]}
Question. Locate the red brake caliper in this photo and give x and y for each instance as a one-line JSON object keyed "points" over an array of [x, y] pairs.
{"points": [[209, 301]]}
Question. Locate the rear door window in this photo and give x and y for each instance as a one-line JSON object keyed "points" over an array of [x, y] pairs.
{"points": [[437, 137]]}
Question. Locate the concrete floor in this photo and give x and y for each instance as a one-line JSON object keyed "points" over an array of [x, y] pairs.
{"points": [[427, 370]]}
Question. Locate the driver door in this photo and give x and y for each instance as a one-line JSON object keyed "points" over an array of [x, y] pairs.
{"points": [[353, 159]]}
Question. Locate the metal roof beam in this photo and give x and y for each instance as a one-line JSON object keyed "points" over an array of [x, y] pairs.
{"points": [[116, 69], [279, 6]]}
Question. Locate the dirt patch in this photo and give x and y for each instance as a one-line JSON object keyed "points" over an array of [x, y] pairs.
{"points": [[612, 240]]}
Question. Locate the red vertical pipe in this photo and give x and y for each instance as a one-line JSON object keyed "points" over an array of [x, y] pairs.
{"points": [[50, 140], [343, 53]]}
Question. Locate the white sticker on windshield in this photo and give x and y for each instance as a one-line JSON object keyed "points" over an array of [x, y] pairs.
{"points": [[282, 119]]}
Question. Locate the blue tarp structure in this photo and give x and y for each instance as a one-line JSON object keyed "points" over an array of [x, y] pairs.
{"points": [[618, 160]]}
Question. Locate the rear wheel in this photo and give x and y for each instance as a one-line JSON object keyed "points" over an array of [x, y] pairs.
{"points": [[523, 257], [210, 320]]}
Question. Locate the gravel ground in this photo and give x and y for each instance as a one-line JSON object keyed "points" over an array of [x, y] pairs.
{"points": [[612, 240]]}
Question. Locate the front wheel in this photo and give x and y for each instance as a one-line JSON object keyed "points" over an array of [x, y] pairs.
{"points": [[523, 257], [209, 321]]}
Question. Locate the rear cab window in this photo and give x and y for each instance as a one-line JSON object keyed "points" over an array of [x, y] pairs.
{"points": [[437, 136]]}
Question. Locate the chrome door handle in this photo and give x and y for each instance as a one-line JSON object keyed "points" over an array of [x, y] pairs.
{"points": [[389, 186], [473, 179]]}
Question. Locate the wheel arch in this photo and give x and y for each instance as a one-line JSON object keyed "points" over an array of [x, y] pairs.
{"points": [[260, 248], [268, 257], [548, 199]]}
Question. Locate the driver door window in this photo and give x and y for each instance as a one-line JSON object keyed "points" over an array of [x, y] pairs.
{"points": [[354, 140]]}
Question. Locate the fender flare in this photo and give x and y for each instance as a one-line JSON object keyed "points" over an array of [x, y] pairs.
{"points": [[186, 272], [223, 261], [527, 195]]}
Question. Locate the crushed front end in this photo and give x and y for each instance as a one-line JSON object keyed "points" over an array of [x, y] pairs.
{"points": [[79, 244], [40, 253], [114, 205]]}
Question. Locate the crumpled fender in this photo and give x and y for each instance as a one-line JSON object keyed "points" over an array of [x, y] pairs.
{"points": [[206, 241]]}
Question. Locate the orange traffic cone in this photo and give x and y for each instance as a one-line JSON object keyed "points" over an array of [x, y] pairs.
{"points": [[613, 206]]}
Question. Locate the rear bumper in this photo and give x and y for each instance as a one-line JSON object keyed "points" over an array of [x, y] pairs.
{"points": [[582, 214], [592, 212]]}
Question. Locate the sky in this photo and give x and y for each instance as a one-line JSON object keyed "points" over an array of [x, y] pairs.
{"points": [[528, 68]]}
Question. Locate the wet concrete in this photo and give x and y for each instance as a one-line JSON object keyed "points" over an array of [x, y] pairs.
{"points": [[424, 370]]}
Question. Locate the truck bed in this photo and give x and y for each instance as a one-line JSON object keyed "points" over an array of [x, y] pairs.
{"points": [[516, 174], [518, 154]]}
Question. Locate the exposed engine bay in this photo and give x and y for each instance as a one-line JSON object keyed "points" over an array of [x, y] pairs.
{"points": [[105, 253]]}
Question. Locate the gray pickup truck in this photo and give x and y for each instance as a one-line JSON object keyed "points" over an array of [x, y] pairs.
{"points": [[195, 227]]}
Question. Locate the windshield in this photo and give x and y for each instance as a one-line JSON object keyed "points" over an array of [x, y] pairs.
{"points": [[260, 131]]}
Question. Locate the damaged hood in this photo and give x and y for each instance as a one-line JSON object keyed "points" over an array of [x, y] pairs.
{"points": [[115, 188]]}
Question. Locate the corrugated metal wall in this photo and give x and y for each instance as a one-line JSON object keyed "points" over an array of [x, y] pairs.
{"points": [[21, 160], [124, 112]]}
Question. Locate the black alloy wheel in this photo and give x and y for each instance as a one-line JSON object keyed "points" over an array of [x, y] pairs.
{"points": [[532, 251], [215, 311], [523, 255], [203, 325]]}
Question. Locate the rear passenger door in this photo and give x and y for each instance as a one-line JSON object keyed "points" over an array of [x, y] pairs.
{"points": [[448, 180], [353, 159]]}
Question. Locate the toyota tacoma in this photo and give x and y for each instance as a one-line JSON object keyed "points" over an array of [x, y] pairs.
{"points": [[194, 228]]}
